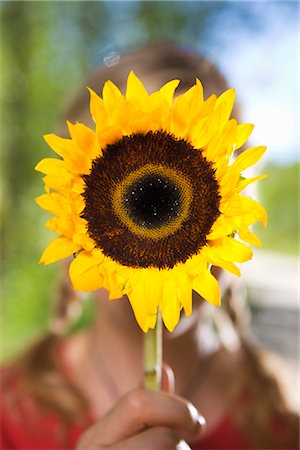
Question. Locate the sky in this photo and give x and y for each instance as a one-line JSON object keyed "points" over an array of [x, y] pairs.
{"points": [[258, 48], [256, 45]]}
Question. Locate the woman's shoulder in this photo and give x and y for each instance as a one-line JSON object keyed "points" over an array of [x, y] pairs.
{"points": [[23, 426], [38, 406], [244, 389], [261, 397]]}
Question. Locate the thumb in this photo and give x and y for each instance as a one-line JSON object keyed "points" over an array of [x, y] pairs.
{"points": [[167, 379]]}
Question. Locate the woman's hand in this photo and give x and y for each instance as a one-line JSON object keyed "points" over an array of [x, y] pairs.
{"points": [[145, 420]]}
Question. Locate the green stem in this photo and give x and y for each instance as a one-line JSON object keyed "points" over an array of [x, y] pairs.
{"points": [[153, 356]]}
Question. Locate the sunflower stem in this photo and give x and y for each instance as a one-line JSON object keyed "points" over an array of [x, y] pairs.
{"points": [[153, 356]]}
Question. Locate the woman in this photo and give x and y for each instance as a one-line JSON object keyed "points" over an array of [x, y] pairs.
{"points": [[84, 391]]}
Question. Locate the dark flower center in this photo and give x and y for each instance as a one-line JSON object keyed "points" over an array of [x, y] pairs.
{"points": [[150, 200]]}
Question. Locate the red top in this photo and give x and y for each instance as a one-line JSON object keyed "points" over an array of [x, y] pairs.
{"points": [[45, 433], [25, 428]]}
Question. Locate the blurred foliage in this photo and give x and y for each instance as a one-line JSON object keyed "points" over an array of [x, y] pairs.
{"points": [[46, 49], [279, 194]]}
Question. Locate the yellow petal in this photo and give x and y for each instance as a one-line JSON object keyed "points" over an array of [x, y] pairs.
{"points": [[59, 181], [226, 100], [139, 305], [254, 208], [241, 207], [194, 97], [194, 265], [111, 273], [179, 117], [51, 165], [60, 204], [153, 289], [170, 305], [199, 124], [248, 158], [244, 183], [247, 236], [167, 91], [85, 140], [233, 250], [221, 227], [115, 291], [215, 125], [83, 239], [228, 266], [243, 132], [110, 92], [228, 186], [151, 322], [135, 89], [145, 295], [109, 135], [209, 105], [156, 113], [74, 157], [50, 204], [97, 108], [197, 135], [59, 248], [214, 258], [112, 98], [222, 143], [171, 314], [85, 273], [62, 146], [62, 225], [207, 286], [184, 289]]}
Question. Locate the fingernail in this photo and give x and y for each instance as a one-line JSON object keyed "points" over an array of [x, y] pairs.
{"points": [[193, 412], [201, 422], [198, 419], [182, 445]]}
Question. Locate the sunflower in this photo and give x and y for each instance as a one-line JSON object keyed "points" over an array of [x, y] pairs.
{"points": [[151, 198]]}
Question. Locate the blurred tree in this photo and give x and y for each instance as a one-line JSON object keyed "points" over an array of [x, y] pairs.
{"points": [[41, 68], [279, 195], [157, 20], [182, 21], [15, 105]]}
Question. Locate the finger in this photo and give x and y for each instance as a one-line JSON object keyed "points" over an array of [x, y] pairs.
{"points": [[158, 438], [142, 409], [168, 379]]}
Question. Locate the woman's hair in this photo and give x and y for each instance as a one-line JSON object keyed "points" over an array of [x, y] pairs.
{"points": [[262, 402], [155, 64], [265, 406]]}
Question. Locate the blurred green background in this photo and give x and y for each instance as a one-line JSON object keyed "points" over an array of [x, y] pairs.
{"points": [[46, 50]]}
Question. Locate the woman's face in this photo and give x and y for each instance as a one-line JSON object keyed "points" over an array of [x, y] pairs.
{"points": [[200, 306], [119, 312]]}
